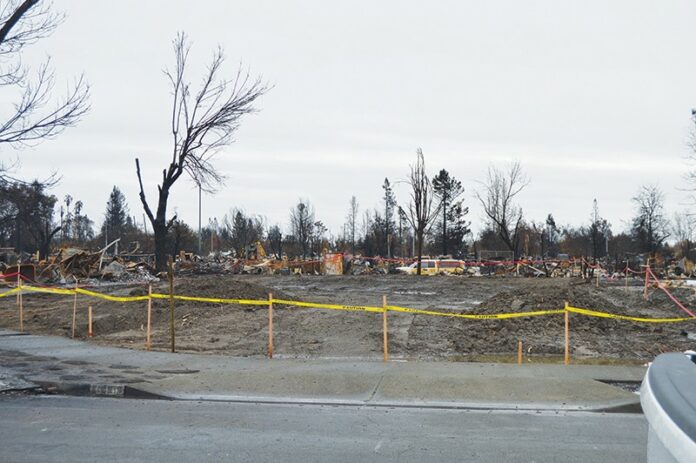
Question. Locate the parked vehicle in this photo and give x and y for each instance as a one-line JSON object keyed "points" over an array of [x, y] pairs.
{"points": [[434, 267]]}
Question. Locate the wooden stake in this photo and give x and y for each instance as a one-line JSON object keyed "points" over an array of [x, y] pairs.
{"points": [[647, 273], [74, 310], [90, 333], [270, 325], [148, 338], [20, 301], [171, 303], [384, 329], [566, 358], [519, 352]]}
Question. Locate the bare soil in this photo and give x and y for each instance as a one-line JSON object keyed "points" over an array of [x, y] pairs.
{"points": [[317, 333]]}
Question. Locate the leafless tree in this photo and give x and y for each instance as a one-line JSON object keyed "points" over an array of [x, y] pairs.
{"points": [[497, 199], [35, 116], [650, 226], [684, 230], [352, 221], [691, 158], [420, 210], [201, 123], [302, 224], [366, 224]]}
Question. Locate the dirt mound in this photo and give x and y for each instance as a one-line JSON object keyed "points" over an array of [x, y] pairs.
{"points": [[548, 297], [223, 286], [590, 336]]}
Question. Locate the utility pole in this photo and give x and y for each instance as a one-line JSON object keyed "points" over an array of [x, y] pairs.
{"points": [[200, 233]]}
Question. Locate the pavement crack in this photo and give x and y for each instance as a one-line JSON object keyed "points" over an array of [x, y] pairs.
{"points": [[374, 391]]}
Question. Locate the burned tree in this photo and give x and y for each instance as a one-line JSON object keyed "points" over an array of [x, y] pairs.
{"points": [[352, 221], [32, 119], [497, 199], [691, 175], [201, 123], [683, 230], [599, 232], [26, 217], [26, 207], [388, 225], [302, 225], [275, 241], [420, 211], [650, 227]]}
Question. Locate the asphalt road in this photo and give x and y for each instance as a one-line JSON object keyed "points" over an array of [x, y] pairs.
{"points": [[73, 429]]}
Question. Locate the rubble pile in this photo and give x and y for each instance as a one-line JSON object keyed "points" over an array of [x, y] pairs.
{"points": [[68, 264]]}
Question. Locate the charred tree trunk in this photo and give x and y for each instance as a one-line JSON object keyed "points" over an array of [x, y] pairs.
{"points": [[161, 255], [419, 250], [45, 244], [160, 225]]}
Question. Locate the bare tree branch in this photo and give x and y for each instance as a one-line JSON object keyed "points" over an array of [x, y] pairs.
{"points": [[30, 122], [146, 206]]}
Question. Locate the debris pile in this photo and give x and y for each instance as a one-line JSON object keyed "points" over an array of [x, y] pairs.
{"points": [[67, 265]]}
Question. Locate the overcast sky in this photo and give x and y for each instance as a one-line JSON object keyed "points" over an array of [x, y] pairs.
{"points": [[592, 97]]}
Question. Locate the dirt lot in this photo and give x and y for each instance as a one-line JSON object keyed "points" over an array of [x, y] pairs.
{"points": [[308, 333]]}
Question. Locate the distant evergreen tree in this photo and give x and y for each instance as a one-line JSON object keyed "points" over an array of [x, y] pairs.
{"points": [[81, 224], [116, 218], [450, 232], [550, 238], [388, 222], [599, 232]]}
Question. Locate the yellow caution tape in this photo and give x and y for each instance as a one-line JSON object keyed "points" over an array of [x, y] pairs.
{"points": [[210, 299], [315, 305], [594, 313], [40, 289], [7, 293], [108, 297], [350, 308], [495, 316]]}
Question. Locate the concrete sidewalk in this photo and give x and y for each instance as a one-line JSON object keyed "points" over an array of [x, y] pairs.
{"points": [[75, 366]]}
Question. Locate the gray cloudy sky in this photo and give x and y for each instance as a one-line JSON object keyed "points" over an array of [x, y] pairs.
{"points": [[592, 97]]}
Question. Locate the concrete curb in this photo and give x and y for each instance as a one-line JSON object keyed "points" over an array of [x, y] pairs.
{"points": [[615, 407], [122, 391]]}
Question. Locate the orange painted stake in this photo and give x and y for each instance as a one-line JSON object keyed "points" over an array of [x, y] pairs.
{"points": [[519, 352], [566, 358], [74, 310], [90, 333], [20, 302], [148, 341], [270, 325], [647, 276], [384, 328]]}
